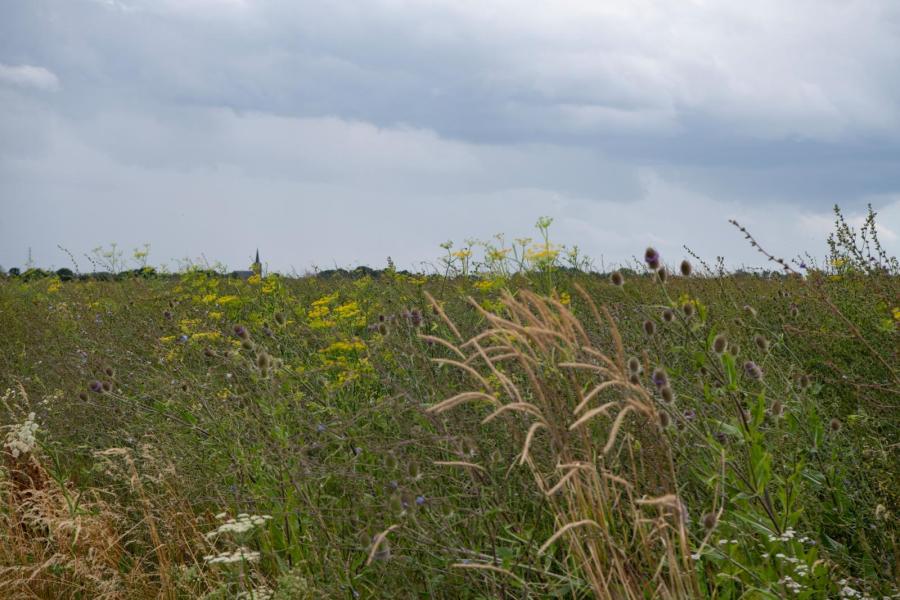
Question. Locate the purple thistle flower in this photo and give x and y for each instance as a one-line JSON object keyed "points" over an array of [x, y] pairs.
{"points": [[651, 257], [420, 500]]}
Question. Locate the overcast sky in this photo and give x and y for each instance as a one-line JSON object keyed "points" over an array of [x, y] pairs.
{"points": [[340, 133]]}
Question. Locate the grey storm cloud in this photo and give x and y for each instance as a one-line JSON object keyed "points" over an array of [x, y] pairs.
{"points": [[344, 132]]}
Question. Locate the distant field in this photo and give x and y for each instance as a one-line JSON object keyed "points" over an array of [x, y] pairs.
{"points": [[530, 432]]}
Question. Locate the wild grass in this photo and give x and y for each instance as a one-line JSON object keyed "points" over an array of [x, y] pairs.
{"points": [[505, 428]]}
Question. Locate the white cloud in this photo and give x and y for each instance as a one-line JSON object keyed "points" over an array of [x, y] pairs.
{"points": [[28, 76]]}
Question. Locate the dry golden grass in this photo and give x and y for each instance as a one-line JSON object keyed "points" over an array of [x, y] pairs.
{"points": [[541, 368]]}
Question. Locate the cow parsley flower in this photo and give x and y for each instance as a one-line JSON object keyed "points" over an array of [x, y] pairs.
{"points": [[20, 440]]}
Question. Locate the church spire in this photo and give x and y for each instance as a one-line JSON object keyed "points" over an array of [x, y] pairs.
{"points": [[257, 266]]}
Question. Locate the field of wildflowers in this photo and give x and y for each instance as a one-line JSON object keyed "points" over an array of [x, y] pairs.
{"points": [[514, 425]]}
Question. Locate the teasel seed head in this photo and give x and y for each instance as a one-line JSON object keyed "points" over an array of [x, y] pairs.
{"points": [[734, 349], [777, 408], [662, 274], [617, 279], [247, 345], [107, 386], [720, 344], [761, 342], [668, 315], [109, 372], [804, 381], [82, 396], [651, 257], [686, 268], [664, 420], [660, 378], [649, 327], [634, 379], [835, 425], [752, 370], [263, 360], [750, 310], [688, 309], [280, 319], [709, 520], [634, 364], [667, 394]]}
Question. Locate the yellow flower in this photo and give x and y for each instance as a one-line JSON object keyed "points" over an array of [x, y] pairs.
{"points": [[54, 287], [838, 262], [254, 279], [215, 315], [206, 335], [318, 312], [347, 311], [226, 300], [896, 313], [485, 285], [565, 298], [208, 299], [465, 253], [187, 324], [167, 339]]}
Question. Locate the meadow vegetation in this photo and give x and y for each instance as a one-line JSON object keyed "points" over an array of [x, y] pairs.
{"points": [[513, 425]]}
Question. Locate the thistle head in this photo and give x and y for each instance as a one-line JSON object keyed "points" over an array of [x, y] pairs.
{"points": [[95, 386], [668, 315], [761, 342], [688, 309], [662, 274], [686, 268], [241, 332], [649, 327], [709, 520], [835, 425]]}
